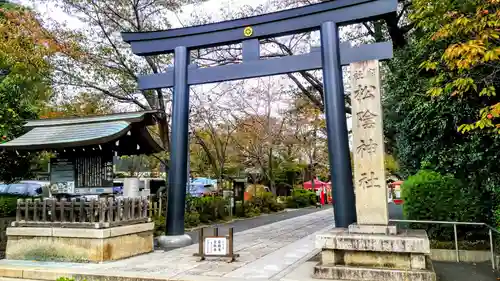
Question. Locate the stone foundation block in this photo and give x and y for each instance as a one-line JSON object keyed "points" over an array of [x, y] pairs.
{"points": [[371, 274], [373, 259], [329, 256], [373, 229], [406, 241], [79, 245], [418, 261]]}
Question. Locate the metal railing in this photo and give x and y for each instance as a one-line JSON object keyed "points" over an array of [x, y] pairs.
{"points": [[455, 223]]}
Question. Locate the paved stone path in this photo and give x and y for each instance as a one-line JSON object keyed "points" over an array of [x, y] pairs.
{"points": [[266, 252], [245, 224]]}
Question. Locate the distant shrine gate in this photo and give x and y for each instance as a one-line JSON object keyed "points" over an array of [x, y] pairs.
{"points": [[326, 17]]}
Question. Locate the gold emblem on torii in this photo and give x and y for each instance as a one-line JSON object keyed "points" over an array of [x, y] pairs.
{"points": [[248, 31]]}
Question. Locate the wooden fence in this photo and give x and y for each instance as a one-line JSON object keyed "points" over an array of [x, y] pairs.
{"points": [[79, 213], [156, 208]]}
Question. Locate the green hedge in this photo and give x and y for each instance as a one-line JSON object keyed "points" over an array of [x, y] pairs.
{"points": [[429, 195], [266, 203], [301, 198], [210, 208], [206, 210], [8, 204]]}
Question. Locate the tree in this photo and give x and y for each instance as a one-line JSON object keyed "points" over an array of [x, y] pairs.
{"points": [[467, 64], [310, 126], [108, 66], [212, 127], [24, 67], [260, 126], [421, 129]]}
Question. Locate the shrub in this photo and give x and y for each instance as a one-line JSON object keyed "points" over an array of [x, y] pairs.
{"points": [[301, 198], [160, 225], [429, 195], [191, 219], [8, 204], [210, 208], [267, 203]]}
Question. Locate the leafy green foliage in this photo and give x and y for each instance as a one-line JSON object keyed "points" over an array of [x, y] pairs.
{"points": [[429, 195], [8, 204], [423, 129], [301, 198], [206, 210], [266, 203], [209, 208], [467, 64]]}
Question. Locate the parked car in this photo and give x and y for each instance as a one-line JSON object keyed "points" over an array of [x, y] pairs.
{"points": [[27, 188]]}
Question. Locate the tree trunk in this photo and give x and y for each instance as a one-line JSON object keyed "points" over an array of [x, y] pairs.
{"points": [[270, 173]]}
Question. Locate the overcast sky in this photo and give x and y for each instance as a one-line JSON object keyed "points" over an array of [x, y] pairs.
{"points": [[178, 20]]}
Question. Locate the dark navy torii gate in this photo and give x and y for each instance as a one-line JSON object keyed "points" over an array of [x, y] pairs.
{"points": [[326, 17]]}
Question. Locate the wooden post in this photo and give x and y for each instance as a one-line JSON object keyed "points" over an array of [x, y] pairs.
{"points": [[144, 207], [72, 210], [200, 244], [102, 211], [53, 209], [231, 245], [18, 209], [81, 211], [91, 210], [36, 217], [62, 204], [150, 208], [44, 209], [159, 203], [134, 206], [27, 209], [119, 204], [110, 210], [126, 209]]}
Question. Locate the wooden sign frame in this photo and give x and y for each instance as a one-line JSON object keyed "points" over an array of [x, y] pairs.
{"points": [[230, 245]]}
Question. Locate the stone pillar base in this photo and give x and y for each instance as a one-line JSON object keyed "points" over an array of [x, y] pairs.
{"points": [[79, 244], [362, 255], [168, 242]]}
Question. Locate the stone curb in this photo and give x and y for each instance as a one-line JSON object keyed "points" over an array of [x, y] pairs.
{"points": [[34, 273]]}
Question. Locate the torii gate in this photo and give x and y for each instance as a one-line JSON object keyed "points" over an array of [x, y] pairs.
{"points": [[326, 17]]}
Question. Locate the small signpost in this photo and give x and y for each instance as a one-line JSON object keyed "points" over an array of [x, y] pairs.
{"points": [[216, 245]]}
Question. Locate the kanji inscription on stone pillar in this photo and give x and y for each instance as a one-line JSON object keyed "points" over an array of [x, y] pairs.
{"points": [[368, 144]]}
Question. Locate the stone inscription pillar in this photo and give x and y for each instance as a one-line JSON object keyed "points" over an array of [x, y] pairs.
{"points": [[368, 144]]}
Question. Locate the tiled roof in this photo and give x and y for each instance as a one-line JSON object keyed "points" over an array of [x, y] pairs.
{"points": [[128, 116], [70, 135], [87, 131]]}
